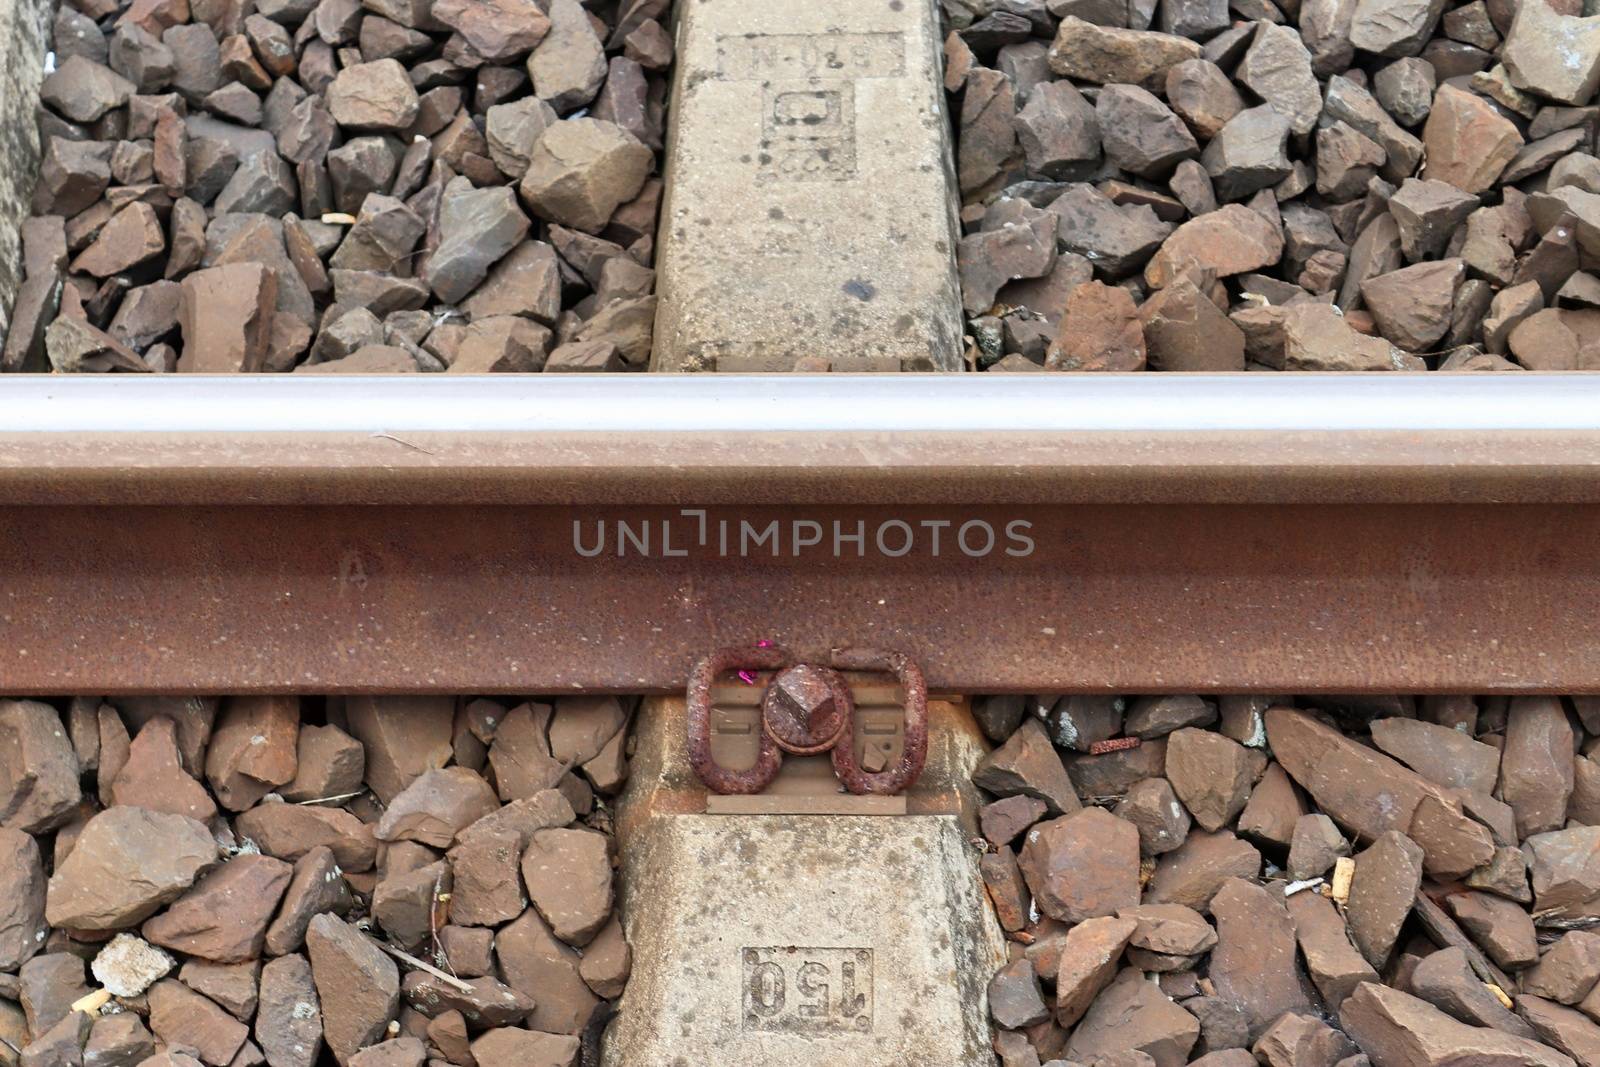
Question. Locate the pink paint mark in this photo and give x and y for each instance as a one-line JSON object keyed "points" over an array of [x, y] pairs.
{"points": [[749, 677]]}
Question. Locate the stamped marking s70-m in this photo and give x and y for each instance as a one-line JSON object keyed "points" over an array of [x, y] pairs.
{"points": [[808, 102], [807, 990]]}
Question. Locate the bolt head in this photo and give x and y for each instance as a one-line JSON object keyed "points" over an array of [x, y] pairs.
{"points": [[806, 696]]}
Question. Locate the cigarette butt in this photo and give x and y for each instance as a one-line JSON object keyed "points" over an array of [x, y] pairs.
{"points": [[1147, 871], [1500, 995], [338, 218], [1344, 871], [92, 1002]]}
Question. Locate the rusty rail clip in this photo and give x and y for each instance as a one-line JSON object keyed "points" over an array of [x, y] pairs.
{"points": [[806, 710], [915, 752]]}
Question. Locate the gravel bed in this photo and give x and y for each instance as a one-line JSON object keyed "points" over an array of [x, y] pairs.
{"points": [[1329, 882], [1278, 184], [378, 882], [345, 187]]}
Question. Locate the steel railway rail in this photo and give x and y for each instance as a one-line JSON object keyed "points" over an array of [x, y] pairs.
{"points": [[1274, 533]]}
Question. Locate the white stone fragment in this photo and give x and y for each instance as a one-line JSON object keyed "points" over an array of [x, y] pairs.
{"points": [[129, 965]]}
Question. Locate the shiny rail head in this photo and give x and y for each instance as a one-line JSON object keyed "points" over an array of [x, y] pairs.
{"points": [[803, 404]]}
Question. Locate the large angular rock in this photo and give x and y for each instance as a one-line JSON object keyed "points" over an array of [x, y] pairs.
{"points": [[1058, 131], [1211, 774], [47, 986], [1203, 96], [1015, 1000], [1082, 865], [153, 776], [38, 768], [1277, 68], [289, 1015], [1140, 133], [512, 129], [519, 759], [224, 917], [127, 863], [987, 131], [1192, 874], [580, 170], [568, 875], [373, 96], [1500, 926], [1249, 153], [1254, 965], [132, 237], [1394, 27], [1565, 868], [1231, 240], [436, 806], [382, 239], [1360, 788], [316, 887], [533, 961], [226, 317], [358, 986], [1396, 1029], [1023, 246], [328, 762], [403, 737], [1302, 1041], [183, 1018], [497, 30], [1028, 765], [1111, 55], [1536, 765], [526, 281], [1333, 962], [568, 66], [509, 1045], [1412, 306], [1134, 1014], [1556, 339], [1088, 962], [82, 90], [1568, 970], [1455, 844], [1553, 53], [1566, 1029], [404, 901], [1447, 981], [253, 748], [1100, 330], [1388, 875], [1444, 756], [22, 899], [1468, 142], [1116, 239], [1316, 336], [290, 831], [476, 228], [1428, 213], [1347, 101], [1156, 813]]}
